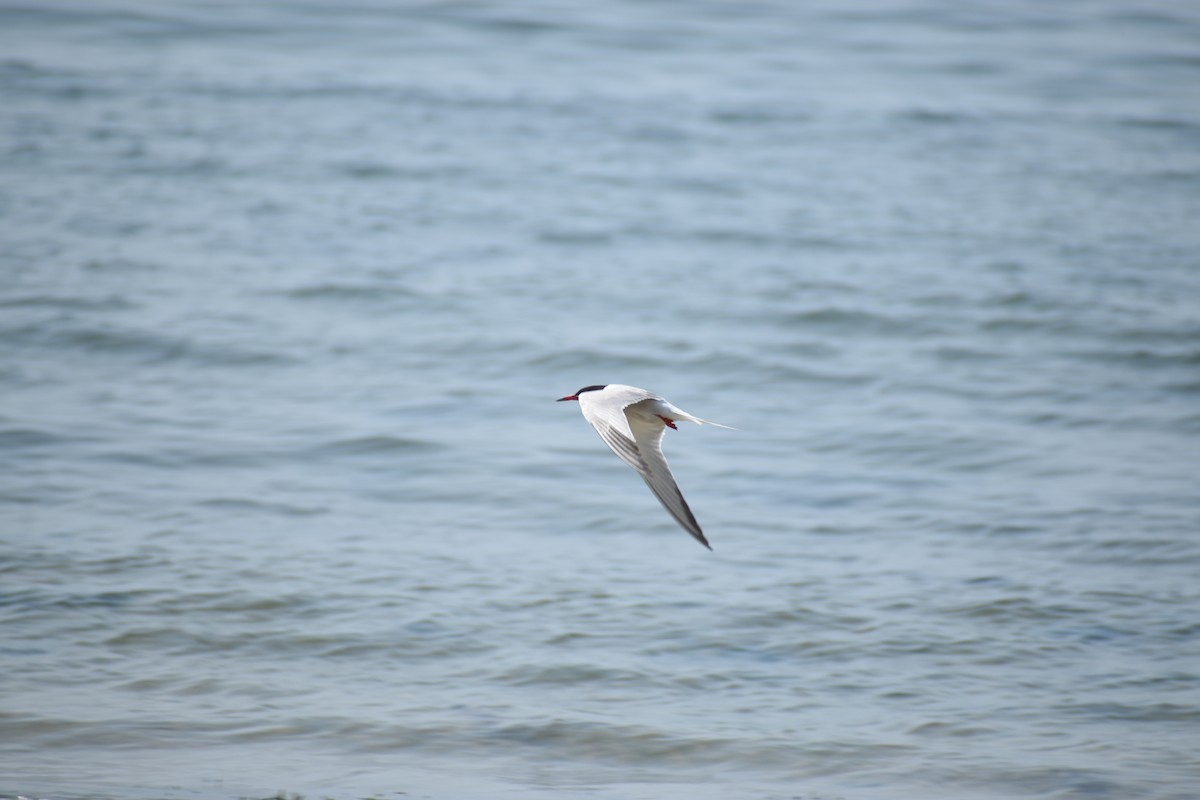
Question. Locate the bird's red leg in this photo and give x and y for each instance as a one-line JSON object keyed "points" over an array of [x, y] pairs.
{"points": [[670, 422]]}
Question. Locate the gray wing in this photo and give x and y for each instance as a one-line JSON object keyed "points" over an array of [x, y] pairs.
{"points": [[634, 432], [610, 422], [647, 429]]}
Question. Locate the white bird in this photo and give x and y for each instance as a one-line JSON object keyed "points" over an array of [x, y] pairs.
{"points": [[631, 421]]}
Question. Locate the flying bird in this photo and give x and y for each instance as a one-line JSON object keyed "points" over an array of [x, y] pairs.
{"points": [[631, 421]]}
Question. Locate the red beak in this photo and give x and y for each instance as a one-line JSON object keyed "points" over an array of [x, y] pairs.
{"points": [[568, 397]]}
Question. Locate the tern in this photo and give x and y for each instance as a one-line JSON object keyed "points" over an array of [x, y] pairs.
{"points": [[631, 421]]}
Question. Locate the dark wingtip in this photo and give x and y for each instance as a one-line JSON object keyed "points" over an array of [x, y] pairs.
{"points": [[700, 538]]}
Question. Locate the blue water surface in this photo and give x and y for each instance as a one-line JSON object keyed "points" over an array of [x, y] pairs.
{"points": [[289, 288]]}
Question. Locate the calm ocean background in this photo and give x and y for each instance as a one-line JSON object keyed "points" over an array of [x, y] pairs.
{"points": [[289, 289]]}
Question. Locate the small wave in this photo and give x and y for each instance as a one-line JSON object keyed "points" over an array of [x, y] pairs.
{"points": [[758, 115], [147, 345], [858, 321], [926, 116], [1031, 324], [236, 455], [374, 445], [1187, 177], [255, 505], [22, 438], [22, 727], [951, 729], [381, 171], [1145, 550], [958, 353], [615, 743], [120, 265], [1022, 299], [1185, 387], [19, 68], [229, 601], [762, 239], [193, 168], [594, 360], [1186, 61], [767, 372], [1013, 609], [372, 292], [41, 600], [68, 303], [1142, 357], [569, 674], [1164, 123], [577, 237], [366, 170], [1155, 712]]}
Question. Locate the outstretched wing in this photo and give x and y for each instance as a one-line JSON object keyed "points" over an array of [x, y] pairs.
{"points": [[647, 429], [610, 422]]}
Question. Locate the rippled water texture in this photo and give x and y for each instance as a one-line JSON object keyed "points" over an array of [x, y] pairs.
{"points": [[289, 289]]}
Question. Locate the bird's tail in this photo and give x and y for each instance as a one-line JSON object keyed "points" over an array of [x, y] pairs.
{"points": [[699, 421]]}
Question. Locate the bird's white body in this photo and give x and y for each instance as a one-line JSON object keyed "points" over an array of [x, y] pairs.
{"points": [[631, 421]]}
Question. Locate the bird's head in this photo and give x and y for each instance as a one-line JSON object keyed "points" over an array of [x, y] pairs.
{"points": [[581, 391]]}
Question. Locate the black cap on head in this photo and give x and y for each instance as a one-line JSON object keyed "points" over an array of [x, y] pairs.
{"points": [[581, 391]]}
